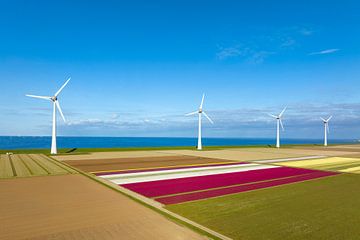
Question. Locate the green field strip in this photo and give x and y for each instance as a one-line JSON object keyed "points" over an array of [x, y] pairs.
{"points": [[306, 210], [60, 164], [20, 168], [52, 168], [35, 168], [6, 169], [323, 165]]}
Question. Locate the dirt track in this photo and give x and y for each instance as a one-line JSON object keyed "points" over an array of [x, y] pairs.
{"points": [[75, 207], [133, 163]]}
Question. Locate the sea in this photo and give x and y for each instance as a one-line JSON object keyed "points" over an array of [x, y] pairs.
{"points": [[36, 142]]}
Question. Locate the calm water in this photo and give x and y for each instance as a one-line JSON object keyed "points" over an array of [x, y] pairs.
{"points": [[109, 142]]}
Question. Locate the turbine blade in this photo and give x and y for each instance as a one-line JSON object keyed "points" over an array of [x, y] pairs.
{"points": [[282, 112], [208, 117], [323, 119], [192, 113], [59, 108], [202, 101], [281, 124], [329, 118], [272, 115], [41, 97], [62, 87]]}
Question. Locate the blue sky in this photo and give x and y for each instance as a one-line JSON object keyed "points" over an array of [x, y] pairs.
{"points": [[138, 66]]}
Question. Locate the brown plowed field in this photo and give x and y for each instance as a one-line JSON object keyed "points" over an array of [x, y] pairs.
{"points": [[74, 207], [94, 165]]}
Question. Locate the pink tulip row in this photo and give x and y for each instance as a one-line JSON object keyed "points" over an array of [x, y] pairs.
{"points": [[237, 189], [182, 185]]}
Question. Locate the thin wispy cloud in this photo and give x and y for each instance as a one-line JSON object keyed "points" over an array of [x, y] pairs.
{"points": [[327, 51], [306, 32], [250, 55], [256, 49], [301, 120], [229, 52]]}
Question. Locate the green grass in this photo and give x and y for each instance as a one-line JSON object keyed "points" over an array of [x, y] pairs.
{"points": [[323, 209], [63, 151]]}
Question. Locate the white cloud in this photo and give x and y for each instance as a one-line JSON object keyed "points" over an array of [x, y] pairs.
{"points": [[327, 51], [225, 53], [300, 120]]}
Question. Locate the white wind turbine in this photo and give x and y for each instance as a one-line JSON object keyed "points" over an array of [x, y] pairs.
{"points": [[55, 101], [278, 124], [326, 129], [200, 112]]}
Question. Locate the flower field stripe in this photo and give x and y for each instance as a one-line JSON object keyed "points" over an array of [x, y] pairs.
{"points": [[182, 173], [179, 170], [182, 185], [237, 189], [136, 170]]}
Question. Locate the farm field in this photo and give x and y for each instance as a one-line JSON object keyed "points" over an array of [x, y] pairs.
{"points": [[27, 165], [318, 209], [341, 164], [177, 185], [260, 153], [121, 164], [74, 207], [244, 193]]}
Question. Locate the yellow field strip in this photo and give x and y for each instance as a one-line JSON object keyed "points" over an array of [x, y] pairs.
{"points": [[172, 166], [353, 169], [340, 164]]}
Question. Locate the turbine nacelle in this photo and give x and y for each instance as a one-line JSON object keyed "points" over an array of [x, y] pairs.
{"points": [[326, 120]]}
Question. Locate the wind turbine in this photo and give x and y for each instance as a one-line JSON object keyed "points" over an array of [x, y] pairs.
{"points": [[55, 102], [326, 129], [200, 112], [278, 124]]}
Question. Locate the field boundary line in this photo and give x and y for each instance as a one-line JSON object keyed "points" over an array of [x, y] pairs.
{"points": [[12, 166], [57, 163], [25, 164], [39, 164]]}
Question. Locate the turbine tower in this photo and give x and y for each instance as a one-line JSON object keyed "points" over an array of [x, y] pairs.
{"points": [[326, 129], [55, 102], [278, 124], [200, 112]]}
